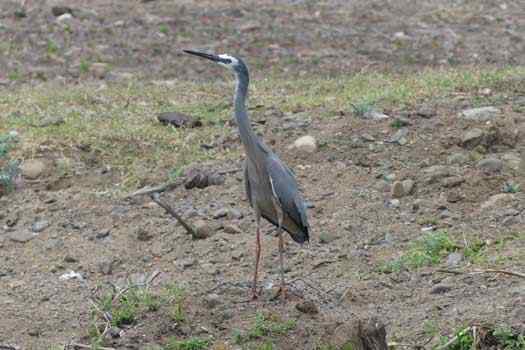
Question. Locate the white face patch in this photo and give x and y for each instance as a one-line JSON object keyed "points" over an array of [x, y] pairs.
{"points": [[233, 60]]}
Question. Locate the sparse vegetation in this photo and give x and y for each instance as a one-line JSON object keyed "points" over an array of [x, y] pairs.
{"points": [[187, 344], [511, 187], [264, 325], [9, 168], [427, 251]]}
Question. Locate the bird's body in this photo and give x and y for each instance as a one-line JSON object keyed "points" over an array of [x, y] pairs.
{"points": [[270, 185]]}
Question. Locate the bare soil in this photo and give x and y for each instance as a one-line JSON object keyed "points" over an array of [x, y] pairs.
{"points": [[344, 180]]}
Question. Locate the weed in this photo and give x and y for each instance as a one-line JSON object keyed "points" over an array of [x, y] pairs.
{"points": [[52, 47], [427, 251], [176, 297], [188, 344], [164, 29], [363, 108], [14, 75], [264, 326], [397, 124], [175, 173], [84, 66], [508, 339], [511, 187]]}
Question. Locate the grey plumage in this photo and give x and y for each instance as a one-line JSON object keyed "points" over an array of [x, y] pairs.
{"points": [[270, 185]]}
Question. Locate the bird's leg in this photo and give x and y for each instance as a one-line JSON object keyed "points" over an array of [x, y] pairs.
{"points": [[257, 256], [280, 215]]}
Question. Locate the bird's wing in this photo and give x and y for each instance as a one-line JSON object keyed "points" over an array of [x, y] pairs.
{"points": [[286, 191]]}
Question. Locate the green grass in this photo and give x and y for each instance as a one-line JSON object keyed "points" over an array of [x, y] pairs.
{"points": [[187, 344], [175, 297], [120, 119], [9, 168], [429, 250], [502, 337], [264, 326]]}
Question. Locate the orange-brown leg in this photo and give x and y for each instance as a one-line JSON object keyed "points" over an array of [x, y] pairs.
{"points": [[257, 257]]}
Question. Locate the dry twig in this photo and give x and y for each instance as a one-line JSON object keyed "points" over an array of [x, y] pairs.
{"points": [[188, 227], [505, 272]]}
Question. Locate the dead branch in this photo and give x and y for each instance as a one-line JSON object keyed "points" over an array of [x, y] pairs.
{"points": [[148, 190], [82, 346], [188, 227], [505, 272]]}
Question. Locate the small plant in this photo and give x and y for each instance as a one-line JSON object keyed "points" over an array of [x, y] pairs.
{"points": [[164, 29], [264, 326], [14, 75], [427, 251], [52, 47], [176, 297], [188, 344], [397, 124], [511, 187], [363, 108], [175, 173], [84, 66], [508, 339], [9, 168]]}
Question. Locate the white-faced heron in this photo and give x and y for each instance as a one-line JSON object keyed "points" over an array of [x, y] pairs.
{"points": [[270, 185]]}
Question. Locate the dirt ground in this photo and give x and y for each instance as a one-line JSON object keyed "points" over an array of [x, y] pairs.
{"points": [[357, 225]]}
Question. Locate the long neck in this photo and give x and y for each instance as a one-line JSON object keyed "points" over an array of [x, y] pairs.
{"points": [[248, 137]]}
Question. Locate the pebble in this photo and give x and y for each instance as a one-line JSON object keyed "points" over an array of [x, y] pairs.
{"points": [[399, 137], [453, 259], [220, 213], [397, 190], [441, 289], [232, 229], [202, 229], [21, 237], [408, 186], [212, 300], [394, 203], [305, 144], [33, 168], [307, 307], [457, 158], [143, 235], [490, 165], [39, 226], [472, 138], [99, 70], [375, 115], [480, 114], [452, 181]]}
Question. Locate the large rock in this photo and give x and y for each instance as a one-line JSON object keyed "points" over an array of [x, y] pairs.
{"points": [[480, 114]]}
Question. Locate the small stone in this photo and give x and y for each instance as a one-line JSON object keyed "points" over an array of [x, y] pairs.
{"points": [[202, 229], [212, 300], [454, 197], [472, 138], [480, 114], [70, 259], [220, 213], [436, 173], [398, 190], [453, 259], [394, 203], [65, 17], [510, 221], [452, 181], [408, 186], [178, 120], [33, 168], [327, 237], [498, 200], [50, 121], [143, 235], [307, 307], [306, 144], [39, 226], [21, 237], [490, 165], [186, 263], [99, 70], [399, 137], [375, 115], [457, 158], [232, 229], [103, 234], [105, 267], [234, 214], [441, 289], [61, 10]]}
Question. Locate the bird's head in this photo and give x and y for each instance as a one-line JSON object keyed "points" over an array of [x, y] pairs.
{"points": [[233, 63]]}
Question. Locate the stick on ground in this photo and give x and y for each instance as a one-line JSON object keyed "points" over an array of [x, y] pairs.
{"points": [[188, 227]]}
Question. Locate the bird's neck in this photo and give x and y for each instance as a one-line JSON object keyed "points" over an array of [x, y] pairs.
{"points": [[248, 137]]}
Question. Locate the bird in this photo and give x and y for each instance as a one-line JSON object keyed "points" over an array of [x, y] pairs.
{"points": [[270, 185]]}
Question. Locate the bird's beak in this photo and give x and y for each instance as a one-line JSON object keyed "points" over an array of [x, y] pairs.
{"points": [[211, 57]]}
